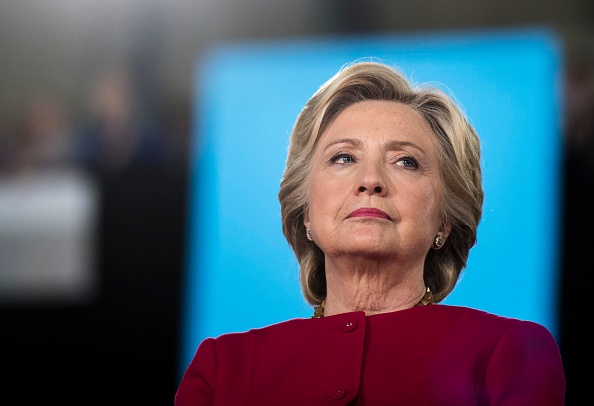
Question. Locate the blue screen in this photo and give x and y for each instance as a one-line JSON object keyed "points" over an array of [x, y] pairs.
{"points": [[241, 273]]}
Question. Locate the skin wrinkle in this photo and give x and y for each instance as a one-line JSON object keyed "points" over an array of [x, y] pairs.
{"points": [[371, 288]]}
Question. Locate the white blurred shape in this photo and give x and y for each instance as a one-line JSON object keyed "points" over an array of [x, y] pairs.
{"points": [[47, 237]]}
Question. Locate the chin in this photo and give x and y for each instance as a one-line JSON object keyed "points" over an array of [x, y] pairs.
{"points": [[370, 249]]}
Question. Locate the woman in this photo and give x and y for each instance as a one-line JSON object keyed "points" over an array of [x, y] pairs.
{"points": [[380, 200]]}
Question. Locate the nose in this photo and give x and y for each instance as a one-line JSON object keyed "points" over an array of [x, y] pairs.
{"points": [[372, 181], [376, 189]]}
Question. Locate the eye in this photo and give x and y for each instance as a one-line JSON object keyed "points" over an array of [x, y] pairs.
{"points": [[408, 162], [343, 158]]}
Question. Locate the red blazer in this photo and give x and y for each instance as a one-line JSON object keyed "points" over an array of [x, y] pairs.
{"points": [[430, 355]]}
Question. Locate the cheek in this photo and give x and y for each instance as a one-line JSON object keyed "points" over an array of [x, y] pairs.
{"points": [[325, 198], [425, 203], [319, 199], [313, 200], [434, 206]]}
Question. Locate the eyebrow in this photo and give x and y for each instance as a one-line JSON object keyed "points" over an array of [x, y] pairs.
{"points": [[389, 146], [353, 141]]}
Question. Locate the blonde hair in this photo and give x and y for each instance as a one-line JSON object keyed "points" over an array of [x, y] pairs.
{"points": [[458, 150]]}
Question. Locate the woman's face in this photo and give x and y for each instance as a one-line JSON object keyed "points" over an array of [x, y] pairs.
{"points": [[375, 188]]}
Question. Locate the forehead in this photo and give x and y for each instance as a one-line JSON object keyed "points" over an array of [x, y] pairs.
{"points": [[380, 120]]}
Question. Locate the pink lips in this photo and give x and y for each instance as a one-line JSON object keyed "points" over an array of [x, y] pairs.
{"points": [[369, 212]]}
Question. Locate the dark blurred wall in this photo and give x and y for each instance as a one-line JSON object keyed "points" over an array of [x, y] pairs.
{"points": [[577, 310], [118, 78]]}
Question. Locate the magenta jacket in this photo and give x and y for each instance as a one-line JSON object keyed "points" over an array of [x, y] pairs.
{"points": [[431, 355]]}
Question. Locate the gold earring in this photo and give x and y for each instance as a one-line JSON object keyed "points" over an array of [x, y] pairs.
{"points": [[438, 242]]}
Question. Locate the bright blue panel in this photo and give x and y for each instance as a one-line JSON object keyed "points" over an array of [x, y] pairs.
{"points": [[240, 271]]}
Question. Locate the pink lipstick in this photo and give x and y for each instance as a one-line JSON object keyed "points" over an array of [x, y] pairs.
{"points": [[369, 212]]}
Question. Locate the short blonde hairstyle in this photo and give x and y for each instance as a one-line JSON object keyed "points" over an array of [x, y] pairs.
{"points": [[458, 149]]}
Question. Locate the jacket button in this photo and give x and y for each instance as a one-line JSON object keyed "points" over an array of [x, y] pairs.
{"points": [[350, 325], [339, 394]]}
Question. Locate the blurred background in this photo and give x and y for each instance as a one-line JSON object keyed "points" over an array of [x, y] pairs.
{"points": [[95, 128]]}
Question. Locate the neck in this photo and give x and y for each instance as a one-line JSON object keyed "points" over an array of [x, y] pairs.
{"points": [[373, 289]]}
